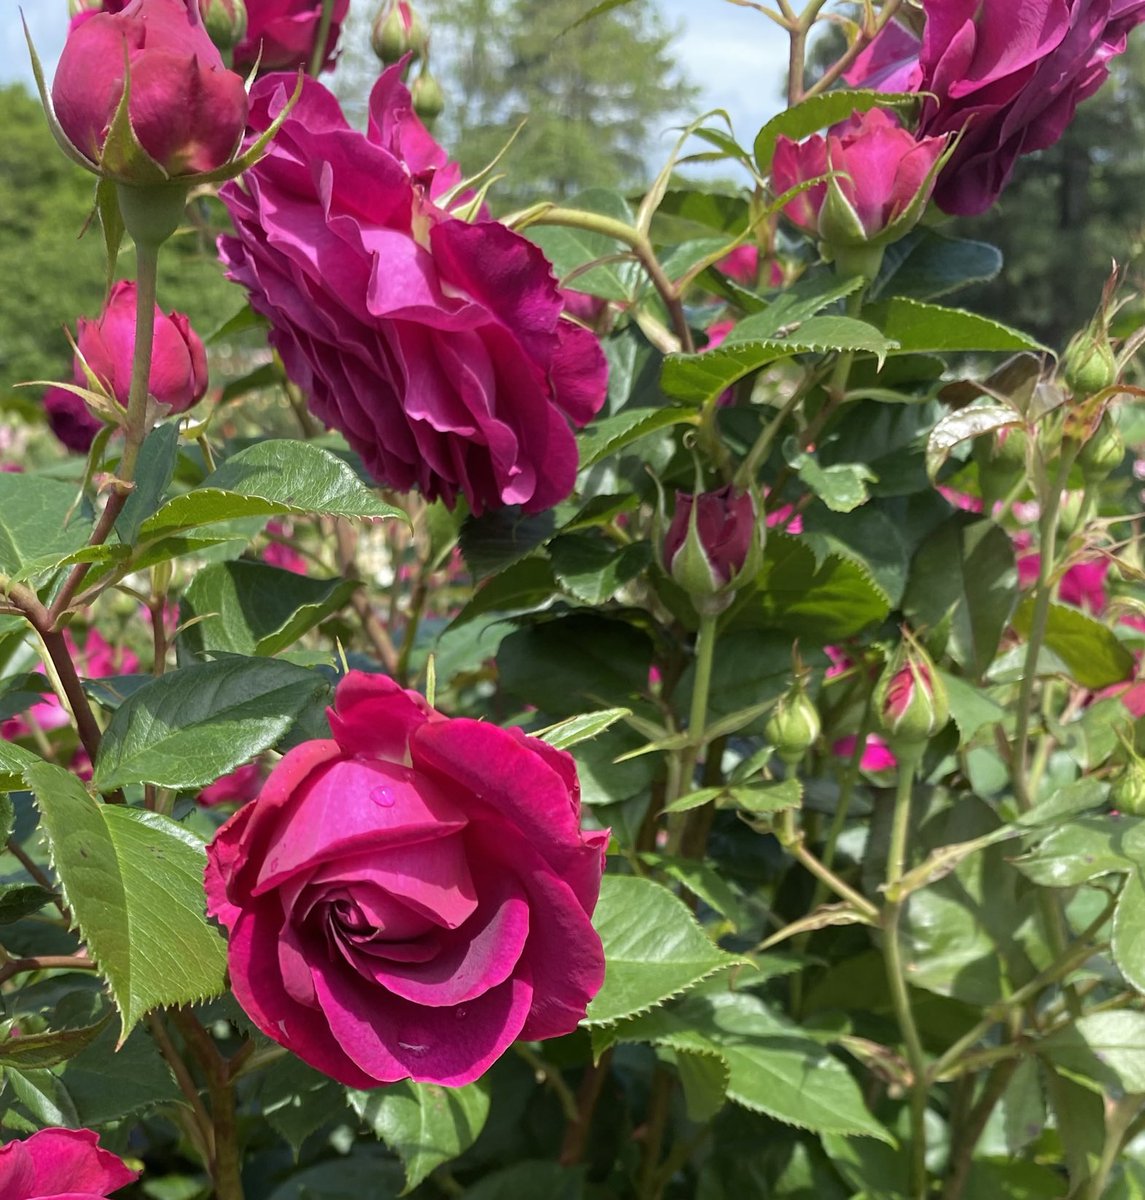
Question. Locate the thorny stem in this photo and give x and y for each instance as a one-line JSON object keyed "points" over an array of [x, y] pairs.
{"points": [[865, 38], [45, 962], [896, 975], [967, 1134], [791, 839], [640, 246], [200, 1128], [659, 1109], [111, 510], [146, 283]]}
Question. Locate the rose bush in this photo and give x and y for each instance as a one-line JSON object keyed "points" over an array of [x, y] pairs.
{"points": [[280, 33], [408, 898], [435, 345], [186, 109], [1007, 77], [61, 1164]]}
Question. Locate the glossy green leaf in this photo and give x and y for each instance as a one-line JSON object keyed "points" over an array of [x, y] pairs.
{"points": [[298, 1100], [1084, 849], [251, 608], [270, 479], [423, 1123], [921, 328], [14, 761], [191, 726], [571, 250], [153, 475], [574, 730], [653, 948], [1107, 1047], [1128, 945], [37, 1050], [612, 434], [41, 521], [134, 883], [20, 900], [704, 1077], [592, 569], [925, 265], [970, 708], [1089, 650], [523, 586]]}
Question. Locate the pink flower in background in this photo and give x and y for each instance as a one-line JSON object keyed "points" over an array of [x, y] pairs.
{"points": [[236, 788], [1006, 75], [742, 265], [877, 755], [279, 554], [186, 108], [407, 899], [61, 1164], [284, 31], [435, 345], [882, 174]]}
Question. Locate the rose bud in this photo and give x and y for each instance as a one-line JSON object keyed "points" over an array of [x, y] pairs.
{"points": [[68, 416], [910, 697], [186, 110], [64, 1163], [225, 22], [794, 725], [715, 540], [1089, 364], [407, 898], [1101, 453], [427, 97], [881, 178], [178, 359], [398, 31], [1127, 793]]}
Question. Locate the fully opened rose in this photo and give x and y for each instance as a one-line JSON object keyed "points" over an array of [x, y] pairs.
{"points": [[61, 1164], [408, 898], [435, 345]]}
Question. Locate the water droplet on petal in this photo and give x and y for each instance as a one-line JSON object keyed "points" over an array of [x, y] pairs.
{"points": [[412, 1048], [382, 796], [461, 1012]]}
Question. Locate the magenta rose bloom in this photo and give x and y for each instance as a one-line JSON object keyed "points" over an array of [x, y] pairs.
{"points": [[61, 1164], [435, 345], [408, 898], [884, 176], [1008, 76], [186, 108], [284, 32]]}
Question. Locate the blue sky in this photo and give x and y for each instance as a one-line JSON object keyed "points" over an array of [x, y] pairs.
{"points": [[736, 55]]}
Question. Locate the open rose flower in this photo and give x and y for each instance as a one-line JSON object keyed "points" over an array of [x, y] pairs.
{"points": [[407, 899], [435, 345], [61, 1164], [1008, 76], [186, 108], [284, 32]]}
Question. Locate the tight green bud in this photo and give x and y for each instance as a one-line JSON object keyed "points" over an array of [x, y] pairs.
{"points": [[1001, 459], [1089, 364], [428, 98], [910, 697], [397, 31], [794, 725], [1128, 792], [1101, 455]]}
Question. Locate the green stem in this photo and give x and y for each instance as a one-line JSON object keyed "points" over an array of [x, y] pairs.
{"points": [[659, 1110], [1118, 1119], [968, 1133], [896, 976], [146, 283], [791, 838], [697, 721], [841, 64], [641, 247], [318, 53]]}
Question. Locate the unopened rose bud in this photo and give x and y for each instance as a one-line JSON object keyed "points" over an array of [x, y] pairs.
{"points": [[428, 98], [225, 22], [715, 540], [910, 698], [1103, 452], [1127, 794], [1089, 364], [794, 725], [398, 31], [178, 360], [186, 110]]}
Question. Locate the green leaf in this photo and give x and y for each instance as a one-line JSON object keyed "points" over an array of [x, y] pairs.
{"points": [[41, 521], [39, 1050], [970, 707], [524, 586], [44, 1096], [1084, 849], [270, 479], [109, 1082], [570, 250], [251, 608], [500, 538], [20, 900], [1107, 1047], [1075, 798], [705, 1079], [297, 1100], [814, 114], [605, 438], [14, 761], [189, 727], [423, 1123], [795, 304], [574, 730], [1128, 943], [1089, 650], [963, 580], [842, 487], [157, 457], [920, 328], [653, 948], [700, 378], [963, 425], [925, 265], [134, 883], [592, 569], [772, 1067], [540, 1177]]}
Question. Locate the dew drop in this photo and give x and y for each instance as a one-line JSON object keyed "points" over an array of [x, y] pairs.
{"points": [[413, 1048], [461, 1012], [382, 796]]}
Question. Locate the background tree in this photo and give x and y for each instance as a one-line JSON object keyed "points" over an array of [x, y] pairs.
{"points": [[596, 95]]}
